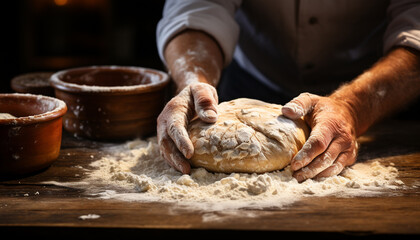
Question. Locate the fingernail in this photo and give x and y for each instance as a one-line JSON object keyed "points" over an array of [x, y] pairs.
{"points": [[293, 109], [296, 165], [187, 152], [209, 114]]}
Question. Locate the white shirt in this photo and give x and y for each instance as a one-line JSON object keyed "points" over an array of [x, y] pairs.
{"points": [[298, 45]]}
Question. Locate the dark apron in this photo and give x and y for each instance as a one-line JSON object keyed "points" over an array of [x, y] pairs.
{"points": [[237, 83]]}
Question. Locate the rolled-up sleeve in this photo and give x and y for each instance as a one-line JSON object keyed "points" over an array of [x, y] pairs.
{"points": [[215, 17], [404, 25]]}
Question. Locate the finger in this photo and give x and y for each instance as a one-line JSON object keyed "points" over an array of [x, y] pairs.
{"points": [[176, 129], [318, 141], [334, 169], [320, 163], [173, 122], [205, 102], [343, 160], [300, 105], [173, 156]]}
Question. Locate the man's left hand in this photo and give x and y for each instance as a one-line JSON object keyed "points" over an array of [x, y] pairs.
{"points": [[331, 145]]}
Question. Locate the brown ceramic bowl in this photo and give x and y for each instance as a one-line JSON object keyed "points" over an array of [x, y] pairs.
{"points": [[34, 83], [31, 139], [111, 102]]}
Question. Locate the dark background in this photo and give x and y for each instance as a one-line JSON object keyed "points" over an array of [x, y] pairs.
{"points": [[42, 35]]}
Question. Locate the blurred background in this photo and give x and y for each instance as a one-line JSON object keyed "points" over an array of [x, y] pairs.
{"points": [[51, 35]]}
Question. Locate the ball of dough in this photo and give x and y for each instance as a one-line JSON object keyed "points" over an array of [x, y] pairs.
{"points": [[249, 136]]}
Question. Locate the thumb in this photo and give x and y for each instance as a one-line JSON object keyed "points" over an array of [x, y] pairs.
{"points": [[300, 106], [205, 101]]}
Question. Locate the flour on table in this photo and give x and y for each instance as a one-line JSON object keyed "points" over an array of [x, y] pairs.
{"points": [[135, 171], [89, 216]]}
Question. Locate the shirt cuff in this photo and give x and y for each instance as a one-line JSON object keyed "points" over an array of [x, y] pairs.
{"points": [[405, 38], [404, 26], [213, 20]]}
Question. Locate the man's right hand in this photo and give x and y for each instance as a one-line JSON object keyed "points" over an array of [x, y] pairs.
{"points": [[196, 99]]}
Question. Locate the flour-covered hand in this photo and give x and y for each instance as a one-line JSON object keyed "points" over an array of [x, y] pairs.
{"points": [[332, 142], [175, 145]]}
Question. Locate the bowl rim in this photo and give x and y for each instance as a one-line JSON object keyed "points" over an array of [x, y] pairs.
{"points": [[59, 110], [22, 79], [59, 84]]}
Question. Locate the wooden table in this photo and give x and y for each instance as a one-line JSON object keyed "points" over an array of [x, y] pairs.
{"points": [[30, 208]]}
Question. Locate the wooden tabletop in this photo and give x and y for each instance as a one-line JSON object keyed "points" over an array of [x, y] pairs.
{"points": [[29, 207]]}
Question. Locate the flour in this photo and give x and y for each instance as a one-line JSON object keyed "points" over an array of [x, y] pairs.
{"points": [[6, 116], [89, 216], [155, 77], [199, 54], [135, 171]]}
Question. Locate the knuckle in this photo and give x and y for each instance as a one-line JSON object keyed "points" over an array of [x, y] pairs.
{"points": [[299, 101], [173, 128], [328, 158], [163, 141], [347, 141], [336, 169], [347, 159], [322, 143], [346, 136], [204, 94], [173, 103], [204, 101], [319, 142], [169, 107], [161, 118], [177, 133], [305, 94], [339, 129]]}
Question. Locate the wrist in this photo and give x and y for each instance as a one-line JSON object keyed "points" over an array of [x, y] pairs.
{"points": [[188, 78], [382, 89], [193, 57], [351, 109]]}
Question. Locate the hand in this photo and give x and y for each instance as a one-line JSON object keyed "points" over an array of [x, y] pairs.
{"points": [[175, 145], [332, 142]]}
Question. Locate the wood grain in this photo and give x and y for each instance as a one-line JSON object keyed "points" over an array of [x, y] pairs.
{"points": [[29, 207]]}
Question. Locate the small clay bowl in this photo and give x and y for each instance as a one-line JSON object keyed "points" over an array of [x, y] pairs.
{"points": [[31, 137], [34, 83], [111, 102]]}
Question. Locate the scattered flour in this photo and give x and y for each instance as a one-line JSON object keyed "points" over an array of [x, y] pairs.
{"points": [[6, 116], [135, 171], [89, 216]]}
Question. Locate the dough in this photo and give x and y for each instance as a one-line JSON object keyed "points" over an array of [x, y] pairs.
{"points": [[249, 136]]}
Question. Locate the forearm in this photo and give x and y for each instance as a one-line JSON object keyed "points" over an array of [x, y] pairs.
{"points": [[383, 89], [193, 56]]}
